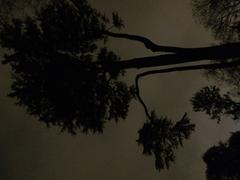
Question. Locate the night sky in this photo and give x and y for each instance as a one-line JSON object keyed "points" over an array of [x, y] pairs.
{"points": [[31, 151]]}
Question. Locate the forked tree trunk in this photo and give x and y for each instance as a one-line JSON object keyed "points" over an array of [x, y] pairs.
{"points": [[176, 55]]}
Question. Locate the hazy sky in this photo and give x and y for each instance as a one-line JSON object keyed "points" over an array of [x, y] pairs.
{"points": [[30, 151]]}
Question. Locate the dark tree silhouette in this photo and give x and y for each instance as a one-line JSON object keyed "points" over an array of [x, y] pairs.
{"points": [[65, 78], [223, 161], [221, 16], [56, 75], [159, 136], [210, 101]]}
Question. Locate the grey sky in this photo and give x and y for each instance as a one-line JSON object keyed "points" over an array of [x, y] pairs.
{"points": [[30, 151]]}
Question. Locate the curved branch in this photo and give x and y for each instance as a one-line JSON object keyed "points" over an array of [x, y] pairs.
{"points": [[190, 68], [174, 69], [147, 42], [140, 98]]}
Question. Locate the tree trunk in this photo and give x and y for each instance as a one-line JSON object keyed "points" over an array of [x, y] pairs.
{"points": [[221, 53]]}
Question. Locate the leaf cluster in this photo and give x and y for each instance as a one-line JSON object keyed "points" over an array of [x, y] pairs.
{"points": [[221, 16], [223, 160], [161, 137], [210, 101], [57, 71]]}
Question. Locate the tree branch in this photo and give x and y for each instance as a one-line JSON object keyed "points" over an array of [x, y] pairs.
{"points": [[140, 98], [147, 42], [174, 69], [212, 66], [220, 52]]}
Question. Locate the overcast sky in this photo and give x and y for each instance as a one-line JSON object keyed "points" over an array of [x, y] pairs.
{"points": [[30, 151]]}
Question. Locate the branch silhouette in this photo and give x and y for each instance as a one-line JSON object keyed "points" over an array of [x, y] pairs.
{"points": [[220, 52], [147, 42], [177, 69]]}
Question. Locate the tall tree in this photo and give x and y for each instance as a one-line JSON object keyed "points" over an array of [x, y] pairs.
{"points": [[65, 78]]}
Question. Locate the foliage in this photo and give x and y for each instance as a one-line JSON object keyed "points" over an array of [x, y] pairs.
{"points": [[210, 101], [221, 16], [56, 67], [228, 77], [223, 161], [117, 21], [159, 136], [63, 77]]}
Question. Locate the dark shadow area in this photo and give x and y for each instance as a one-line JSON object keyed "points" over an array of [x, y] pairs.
{"points": [[223, 160]]}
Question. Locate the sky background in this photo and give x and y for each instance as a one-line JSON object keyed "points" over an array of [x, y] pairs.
{"points": [[31, 151]]}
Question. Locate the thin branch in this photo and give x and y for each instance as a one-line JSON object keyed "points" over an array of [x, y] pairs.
{"points": [[174, 69], [190, 68], [140, 98], [147, 42]]}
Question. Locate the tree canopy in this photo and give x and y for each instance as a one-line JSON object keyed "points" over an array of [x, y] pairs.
{"points": [[222, 17], [65, 76], [223, 160], [55, 69]]}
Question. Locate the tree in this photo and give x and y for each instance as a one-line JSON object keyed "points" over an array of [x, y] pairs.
{"points": [[161, 137], [65, 78], [223, 160], [222, 17], [210, 101]]}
